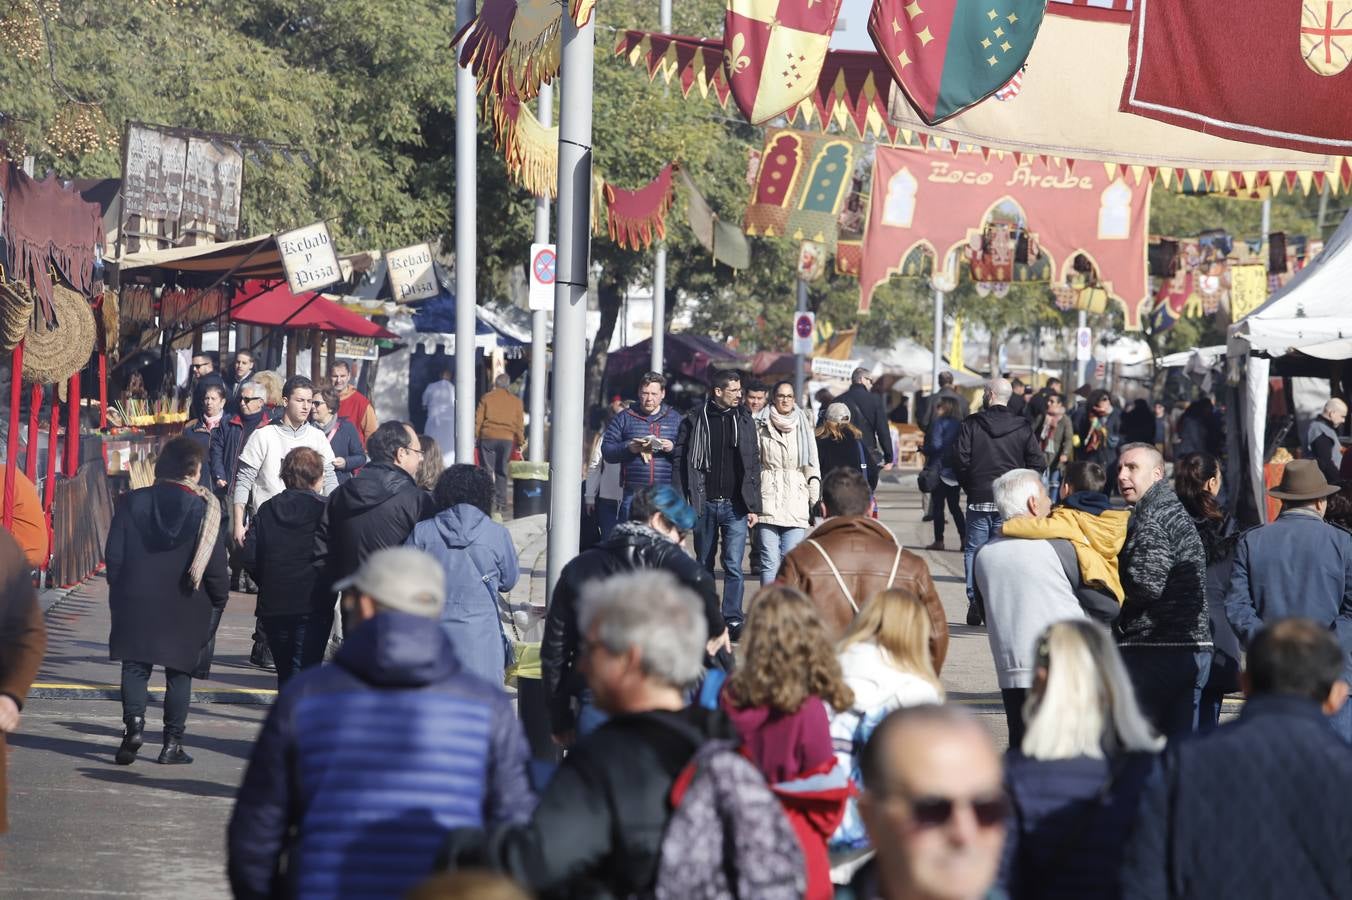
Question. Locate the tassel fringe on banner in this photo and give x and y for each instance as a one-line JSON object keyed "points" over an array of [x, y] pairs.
{"points": [[530, 150], [513, 48], [635, 215]]}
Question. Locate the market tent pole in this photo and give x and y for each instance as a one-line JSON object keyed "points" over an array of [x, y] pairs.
{"points": [[660, 259], [799, 359], [938, 346], [12, 439], [103, 393], [1081, 365], [466, 295], [570, 295], [30, 463], [331, 355], [292, 350], [49, 494], [316, 349], [539, 374], [72, 462]]}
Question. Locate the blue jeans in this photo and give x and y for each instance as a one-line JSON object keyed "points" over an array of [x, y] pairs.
{"points": [[1169, 683], [1051, 480], [296, 641], [981, 527], [774, 543], [720, 519], [627, 501]]}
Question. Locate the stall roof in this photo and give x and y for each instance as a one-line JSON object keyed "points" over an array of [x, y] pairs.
{"points": [[907, 358], [687, 354], [213, 259], [1310, 313], [275, 305]]}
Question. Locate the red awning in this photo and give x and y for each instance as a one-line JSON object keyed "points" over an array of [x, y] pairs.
{"points": [[258, 304]]}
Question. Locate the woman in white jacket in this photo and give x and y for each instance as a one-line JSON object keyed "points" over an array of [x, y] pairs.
{"points": [[790, 479], [885, 658]]}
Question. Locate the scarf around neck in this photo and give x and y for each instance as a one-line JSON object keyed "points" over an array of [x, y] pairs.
{"points": [[699, 434], [796, 420], [207, 532]]}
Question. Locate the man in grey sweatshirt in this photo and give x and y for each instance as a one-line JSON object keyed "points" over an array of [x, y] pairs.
{"points": [[1025, 588]]}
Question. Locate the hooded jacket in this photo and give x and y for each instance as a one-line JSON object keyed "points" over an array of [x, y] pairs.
{"points": [[377, 508], [632, 545], [371, 760], [991, 443], [631, 423], [597, 832], [863, 551], [157, 617], [276, 550], [479, 560], [1094, 529]]}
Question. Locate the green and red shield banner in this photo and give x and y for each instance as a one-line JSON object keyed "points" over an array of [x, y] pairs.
{"points": [[948, 55], [773, 52]]}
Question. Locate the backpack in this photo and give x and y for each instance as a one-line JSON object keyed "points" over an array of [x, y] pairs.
{"points": [[849, 746], [727, 835]]}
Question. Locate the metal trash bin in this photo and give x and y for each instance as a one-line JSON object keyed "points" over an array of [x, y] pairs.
{"points": [[530, 488]]}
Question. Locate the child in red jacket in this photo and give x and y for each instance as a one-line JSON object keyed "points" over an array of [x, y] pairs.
{"points": [[787, 674]]}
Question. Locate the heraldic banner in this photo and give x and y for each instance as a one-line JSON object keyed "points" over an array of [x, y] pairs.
{"points": [[1192, 63], [773, 52], [940, 201], [801, 185], [949, 54]]}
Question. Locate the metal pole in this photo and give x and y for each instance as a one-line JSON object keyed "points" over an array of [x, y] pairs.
{"points": [[659, 347], [938, 345], [799, 359], [466, 294], [539, 363], [1267, 217], [570, 296], [1082, 365]]}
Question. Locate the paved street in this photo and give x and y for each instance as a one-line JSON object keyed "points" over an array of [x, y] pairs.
{"points": [[82, 826]]}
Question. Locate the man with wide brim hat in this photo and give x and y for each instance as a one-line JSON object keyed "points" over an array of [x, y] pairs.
{"points": [[1298, 566]]}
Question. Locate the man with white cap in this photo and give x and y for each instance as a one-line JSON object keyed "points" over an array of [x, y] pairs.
{"points": [[371, 759]]}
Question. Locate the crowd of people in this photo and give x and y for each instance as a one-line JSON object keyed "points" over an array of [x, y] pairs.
{"points": [[794, 740]]}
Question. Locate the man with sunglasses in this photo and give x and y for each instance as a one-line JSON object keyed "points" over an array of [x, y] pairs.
{"points": [[203, 375], [934, 807]]}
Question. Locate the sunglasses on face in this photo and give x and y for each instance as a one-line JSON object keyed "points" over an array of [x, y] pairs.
{"points": [[934, 811]]}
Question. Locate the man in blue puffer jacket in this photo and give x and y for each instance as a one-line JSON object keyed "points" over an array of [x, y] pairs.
{"points": [[365, 764], [642, 439]]}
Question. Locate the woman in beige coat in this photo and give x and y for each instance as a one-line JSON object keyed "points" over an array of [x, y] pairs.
{"points": [[790, 479]]}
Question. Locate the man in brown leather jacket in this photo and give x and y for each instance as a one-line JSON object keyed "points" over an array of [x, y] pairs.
{"points": [[850, 557]]}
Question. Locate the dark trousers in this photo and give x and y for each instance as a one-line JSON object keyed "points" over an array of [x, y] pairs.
{"points": [[952, 495], [135, 693], [297, 641], [494, 455], [1014, 699], [1169, 683], [607, 515]]}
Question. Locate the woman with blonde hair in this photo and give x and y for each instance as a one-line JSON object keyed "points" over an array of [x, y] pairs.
{"points": [[1075, 782], [431, 467], [887, 663], [272, 399], [777, 699]]}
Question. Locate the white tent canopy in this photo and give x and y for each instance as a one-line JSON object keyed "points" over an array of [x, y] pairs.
{"points": [[1311, 313], [907, 358]]}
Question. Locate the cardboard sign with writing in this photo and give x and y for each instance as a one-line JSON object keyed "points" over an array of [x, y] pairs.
{"points": [[309, 258], [411, 274]]}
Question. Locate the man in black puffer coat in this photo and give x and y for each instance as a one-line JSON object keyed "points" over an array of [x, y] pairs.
{"points": [[375, 509], [649, 540]]}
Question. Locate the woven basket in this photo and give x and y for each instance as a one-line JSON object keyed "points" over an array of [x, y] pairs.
{"points": [[16, 312], [51, 356]]}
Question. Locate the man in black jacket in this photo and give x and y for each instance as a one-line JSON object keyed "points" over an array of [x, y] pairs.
{"points": [[376, 508], [651, 539], [716, 467], [1275, 782], [867, 414], [598, 828], [990, 443]]}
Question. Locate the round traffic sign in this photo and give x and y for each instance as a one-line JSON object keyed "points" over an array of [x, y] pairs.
{"points": [[543, 266], [802, 325]]}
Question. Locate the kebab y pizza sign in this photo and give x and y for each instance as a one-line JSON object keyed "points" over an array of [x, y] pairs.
{"points": [[411, 274], [309, 258]]}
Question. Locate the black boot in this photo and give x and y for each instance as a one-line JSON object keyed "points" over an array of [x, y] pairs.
{"points": [[132, 738], [172, 754]]}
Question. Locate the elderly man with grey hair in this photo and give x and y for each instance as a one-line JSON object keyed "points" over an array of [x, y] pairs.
{"points": [[1024, 588], [990, 443], [598, 828], [1322, 442]]}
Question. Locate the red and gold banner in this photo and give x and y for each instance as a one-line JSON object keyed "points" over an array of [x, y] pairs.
{"points": [[513, 46], [801, 184], [941, 201], [773, 52], [635, 215]]}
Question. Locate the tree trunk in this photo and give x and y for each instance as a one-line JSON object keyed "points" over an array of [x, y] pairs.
{"points": [[609, 300]]}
